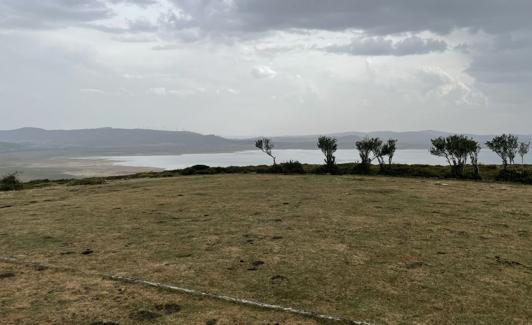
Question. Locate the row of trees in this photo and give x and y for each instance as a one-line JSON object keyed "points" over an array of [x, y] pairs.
{"points": [[457, 149], [368, 148]]}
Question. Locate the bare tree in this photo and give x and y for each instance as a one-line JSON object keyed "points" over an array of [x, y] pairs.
{"points": [[266, 146]]}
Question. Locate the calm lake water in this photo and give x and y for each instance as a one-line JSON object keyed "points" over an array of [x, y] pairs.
{"points": [[255, 157]]}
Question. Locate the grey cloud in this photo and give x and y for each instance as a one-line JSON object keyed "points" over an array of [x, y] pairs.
{"points": [[439, 84], [141, 3], [377, 17], [507, 61], [226, 17], [50, 13], [379, 45]]}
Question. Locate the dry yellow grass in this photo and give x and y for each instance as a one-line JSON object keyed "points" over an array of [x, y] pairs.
{"points": [[384, 250]]}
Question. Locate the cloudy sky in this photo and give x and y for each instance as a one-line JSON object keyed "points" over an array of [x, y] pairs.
{"points": [[267, 67]]}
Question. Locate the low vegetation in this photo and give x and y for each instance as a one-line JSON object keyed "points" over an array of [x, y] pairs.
{"points": [[10, 183], [457, 149], [380, 249]]}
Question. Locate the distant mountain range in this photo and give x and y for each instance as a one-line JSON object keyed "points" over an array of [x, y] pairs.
{"points": [[141, 141], [118, 141], [406, 140]]}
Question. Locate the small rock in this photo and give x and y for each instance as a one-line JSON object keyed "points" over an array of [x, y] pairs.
{"points": [[103, 323], [211, 322], [88, 251]]}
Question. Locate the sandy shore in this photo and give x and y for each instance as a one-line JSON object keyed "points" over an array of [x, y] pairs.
{"points": [[41, 165]]}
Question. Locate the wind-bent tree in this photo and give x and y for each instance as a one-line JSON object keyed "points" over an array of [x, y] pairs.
{"points": [[456, 149], [366, 147], [266, 146], [506, 147], [328, 146], [474, 150], [523, 151], [388, 149], [376, 147]]}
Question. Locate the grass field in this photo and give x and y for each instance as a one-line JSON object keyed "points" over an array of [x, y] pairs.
{"points": [[383, 250]]}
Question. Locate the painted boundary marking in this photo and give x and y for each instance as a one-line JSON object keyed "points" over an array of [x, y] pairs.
{"points": [[239, 301]]}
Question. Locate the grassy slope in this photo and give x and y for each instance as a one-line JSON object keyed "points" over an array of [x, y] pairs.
{"points": [[387, 250]]}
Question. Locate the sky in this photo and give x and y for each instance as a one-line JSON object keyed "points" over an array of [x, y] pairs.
{"points": [[267, 67]]}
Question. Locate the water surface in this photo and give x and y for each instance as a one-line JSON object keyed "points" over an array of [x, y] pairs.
{"points": [[256, 157]]}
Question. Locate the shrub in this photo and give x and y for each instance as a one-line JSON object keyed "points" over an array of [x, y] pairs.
{"points": [[509, 175], [362, 168], [87, 181], [327, 169], [292, 167], [197, 170], [10, 183], [427, 171]]}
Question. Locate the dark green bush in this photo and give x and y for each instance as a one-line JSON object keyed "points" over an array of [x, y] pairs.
{"points": [[510, 175], [328, 169], [197, 170], [87, 181], [292, 167], [417, 171], [361, 168], [10, 183]]}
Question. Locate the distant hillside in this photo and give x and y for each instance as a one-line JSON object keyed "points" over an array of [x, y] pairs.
{"points": [[142, 141], [10, 147], [129, 141], [406, 140]]}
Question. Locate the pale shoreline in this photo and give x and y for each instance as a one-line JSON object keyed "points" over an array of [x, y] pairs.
{"points": [[36, 166]]}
